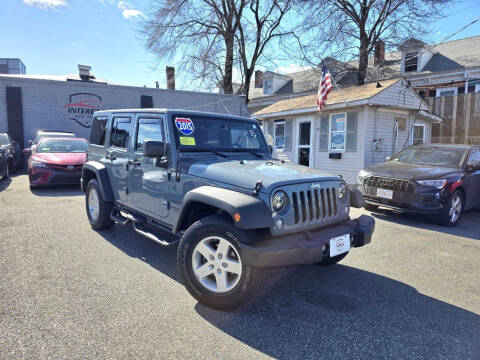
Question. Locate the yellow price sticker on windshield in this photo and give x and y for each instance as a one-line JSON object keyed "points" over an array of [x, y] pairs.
{"points": [[187, 140]]}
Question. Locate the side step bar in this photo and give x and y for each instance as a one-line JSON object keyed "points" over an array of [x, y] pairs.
{"points": [[152, 236], [123, 218]]}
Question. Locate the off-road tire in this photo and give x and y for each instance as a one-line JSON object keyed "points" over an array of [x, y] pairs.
{"points": [[329, 261], [444, 215], [370, 207], [250, 280], [103, 220]]}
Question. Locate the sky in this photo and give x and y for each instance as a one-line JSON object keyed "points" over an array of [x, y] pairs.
{"points": [[53, 36]]}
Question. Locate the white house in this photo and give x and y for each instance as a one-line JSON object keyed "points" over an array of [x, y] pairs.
{"points": [[359, 126]]}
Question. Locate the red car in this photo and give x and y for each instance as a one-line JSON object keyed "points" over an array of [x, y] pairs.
{"points": [[57, 161]]}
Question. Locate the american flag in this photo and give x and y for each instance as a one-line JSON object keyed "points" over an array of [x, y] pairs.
{"points": [[324, 87]]}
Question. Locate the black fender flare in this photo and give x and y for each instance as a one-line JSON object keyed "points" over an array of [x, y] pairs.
{"points": [[254, 213], [356, 198], [102, 177]]}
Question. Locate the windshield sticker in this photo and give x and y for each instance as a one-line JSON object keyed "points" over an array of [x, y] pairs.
{"points": [[190, 141], [184, 125]]}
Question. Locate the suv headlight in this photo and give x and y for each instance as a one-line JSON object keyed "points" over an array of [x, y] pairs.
{"points": [[38, 164], [438, 184], [361, 176], [279, 199]]}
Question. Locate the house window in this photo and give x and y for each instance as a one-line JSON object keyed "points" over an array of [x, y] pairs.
{"points": [[337, 132], [279, 134], [267, 87], [477, 88], [450, 91], [418, 134], [401, 124], [411, 60]]}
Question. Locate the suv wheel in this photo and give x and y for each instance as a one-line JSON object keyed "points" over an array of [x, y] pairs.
{"points": [[452, 211], [211, 267], [98, 210]]}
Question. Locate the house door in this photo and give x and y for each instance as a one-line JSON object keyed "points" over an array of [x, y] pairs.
{"points": [[304, 142]]}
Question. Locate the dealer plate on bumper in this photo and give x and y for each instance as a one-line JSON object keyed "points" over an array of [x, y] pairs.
{"points": [[339, 245], [386, 194]]}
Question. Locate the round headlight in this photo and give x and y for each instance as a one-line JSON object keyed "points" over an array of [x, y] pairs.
{"points": [[279, 200], [342, 191]]}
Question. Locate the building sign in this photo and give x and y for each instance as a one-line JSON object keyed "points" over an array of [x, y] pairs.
{"points": [[81, 107]]}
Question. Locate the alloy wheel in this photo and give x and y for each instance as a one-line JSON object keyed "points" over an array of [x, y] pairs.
{"points": [[216, 264], [455, 208], [93, 204]]}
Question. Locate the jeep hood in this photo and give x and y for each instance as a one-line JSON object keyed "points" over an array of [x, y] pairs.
{"points": [[247, 173]]}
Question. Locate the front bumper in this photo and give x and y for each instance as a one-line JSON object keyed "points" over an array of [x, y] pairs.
{"points": [[305, 247], [40, 176], [422, 201]]}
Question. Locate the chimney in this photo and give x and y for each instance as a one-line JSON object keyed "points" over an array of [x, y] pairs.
{"points": [[170, 77], [157, 85], [84, 72], [379, 53], [258, 79]]}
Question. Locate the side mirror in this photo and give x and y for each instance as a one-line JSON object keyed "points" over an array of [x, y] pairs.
{"points": [[270, 149], [27, 151], [153, 148], [388, 158]]}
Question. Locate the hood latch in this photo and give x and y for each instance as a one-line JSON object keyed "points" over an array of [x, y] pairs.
{"points": [[257, 188]]}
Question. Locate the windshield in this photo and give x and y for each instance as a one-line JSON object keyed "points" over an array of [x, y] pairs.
{"points": [[62, 146], [447, 157], [52, 135], [198, 133], [4, 140]]}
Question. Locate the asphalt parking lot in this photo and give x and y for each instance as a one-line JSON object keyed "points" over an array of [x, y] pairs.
{"points": [[68, 292]]}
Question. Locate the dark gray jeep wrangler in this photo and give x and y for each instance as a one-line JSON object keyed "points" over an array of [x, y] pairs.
{"points": [[211, 182]]}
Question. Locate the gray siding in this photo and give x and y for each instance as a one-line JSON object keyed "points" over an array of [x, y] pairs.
{"points": [[44, 102], [381, 126], [398, 95]]}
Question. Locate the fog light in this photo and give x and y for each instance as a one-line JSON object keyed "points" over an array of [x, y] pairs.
{"points": [[279, 224]]}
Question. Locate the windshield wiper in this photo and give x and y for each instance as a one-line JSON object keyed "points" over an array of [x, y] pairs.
{"points": [[207, 150]]}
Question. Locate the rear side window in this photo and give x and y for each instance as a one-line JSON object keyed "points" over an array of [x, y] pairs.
{"points": [[149, 129], [99, 126], [120, 132]]}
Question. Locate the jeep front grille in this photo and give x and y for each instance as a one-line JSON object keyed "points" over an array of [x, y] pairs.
{"points": [[310, 205]]}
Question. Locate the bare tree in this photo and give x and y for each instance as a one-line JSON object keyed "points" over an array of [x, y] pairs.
{"points": [[349, 29], [211, 38]]}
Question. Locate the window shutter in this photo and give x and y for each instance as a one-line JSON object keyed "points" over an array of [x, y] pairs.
{"points": [[324, 133], [288, 135], [351, 145]]}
